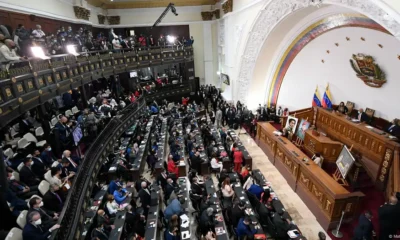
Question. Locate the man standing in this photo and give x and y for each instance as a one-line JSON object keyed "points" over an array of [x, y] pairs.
{"points": [[364, 229], [218, 118], [388, 219]]}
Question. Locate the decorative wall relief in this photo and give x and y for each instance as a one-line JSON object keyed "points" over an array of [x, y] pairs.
{"points": [[207, 16], [227, 6], [114, 20], [275, 10], [81, 13], [367, 70]]}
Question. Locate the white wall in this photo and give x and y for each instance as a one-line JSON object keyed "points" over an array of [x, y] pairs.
{"points": [[307, 71], [237, 25]]}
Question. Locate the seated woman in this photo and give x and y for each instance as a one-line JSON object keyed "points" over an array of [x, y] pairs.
{"points": [[112, 206], [266, 198], [172, 168], [226, 188], [342, 108], [215, 164], [244, 172]]}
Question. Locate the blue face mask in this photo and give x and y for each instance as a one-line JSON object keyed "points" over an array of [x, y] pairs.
{"points": [[49, 149]]}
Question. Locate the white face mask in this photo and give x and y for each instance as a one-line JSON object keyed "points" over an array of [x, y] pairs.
{"points": [[41, 204], [32, 163], [12, 177], [38, 222]]}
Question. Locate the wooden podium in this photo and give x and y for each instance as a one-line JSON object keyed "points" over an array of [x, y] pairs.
{"points": [[328, 148]]}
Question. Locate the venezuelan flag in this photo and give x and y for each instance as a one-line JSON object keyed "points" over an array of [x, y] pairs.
{"points": [[316, 102], [326, 100]]}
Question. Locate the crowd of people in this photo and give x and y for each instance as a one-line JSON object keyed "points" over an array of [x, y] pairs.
{"points": [[16, 45]]}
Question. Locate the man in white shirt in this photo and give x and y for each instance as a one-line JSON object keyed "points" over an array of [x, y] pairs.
{"points": [[116, 43], [317, 159], [38, 34], [8, 54], [215, 164]]}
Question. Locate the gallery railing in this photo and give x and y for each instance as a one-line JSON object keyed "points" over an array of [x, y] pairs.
{"points": [[27, 84], [72, 216]]}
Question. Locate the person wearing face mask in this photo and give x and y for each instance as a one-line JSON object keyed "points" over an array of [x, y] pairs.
{"points": [[21, 189], [26, 174], [49, 218], [105, 108], [39, 167], [8, 54], [47, 155], [34, 228]]}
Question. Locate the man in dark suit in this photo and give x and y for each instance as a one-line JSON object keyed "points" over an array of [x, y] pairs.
{"points": [[47, 155], [105, 220], [64, 171], [52, 200], [393, 128], [364, 230], [21, 189], [49, 218], [74, 161], [145, 197], [63, 129], [196, 187], [169, 189], [34, 228], [196, 162], [130, 218], [39, 167], [100, 232], [26, 174], [282, 225], [25, 126], [388, 219], [237, 213], [162, 179], [362, 116]]}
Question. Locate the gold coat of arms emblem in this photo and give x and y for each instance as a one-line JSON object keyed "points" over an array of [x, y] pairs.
{"points": [[367, 70]]}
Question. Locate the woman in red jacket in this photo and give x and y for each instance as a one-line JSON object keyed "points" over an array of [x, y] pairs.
{"points": [[172, 168], [237, 160]]}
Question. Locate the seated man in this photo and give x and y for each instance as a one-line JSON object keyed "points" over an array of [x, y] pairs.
{"points": [[257, 190], [52, 200], [114, 184], [362, 116], [8, 54], [238, 213], [394, 128], [105, 220], [72, 159], [47, 155], [100, 232], [34, 229], [243, 229], [175, 207], [317, 159], [49, 218], [282, 225], [21, 189], [39, 167], [26, 174]]}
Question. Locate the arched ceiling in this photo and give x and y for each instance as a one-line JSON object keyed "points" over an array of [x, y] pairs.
{"points": [[122, 4]]}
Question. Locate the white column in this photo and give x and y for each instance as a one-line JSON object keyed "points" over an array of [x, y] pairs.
{"points": [[208, 54]]}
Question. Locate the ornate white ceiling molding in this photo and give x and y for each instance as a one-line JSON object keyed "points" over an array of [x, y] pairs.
{"points": [[275, 10]]}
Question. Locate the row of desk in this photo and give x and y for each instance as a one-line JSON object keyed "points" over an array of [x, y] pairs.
{"points": [[184, 186], [161, 148], [153, 215], [325, 197]]}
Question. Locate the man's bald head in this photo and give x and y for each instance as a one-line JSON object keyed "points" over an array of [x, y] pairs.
{"points": [[10, 43], [100, 212], [393, 200]]}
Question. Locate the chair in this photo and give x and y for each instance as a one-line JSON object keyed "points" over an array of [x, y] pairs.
{"points": [[54, 121], [23, 143], [55, 164], [9, 153], [75, 110], [44, 186], [13, 133], [30, 138], [14, 234], [21, 220], [370, 112], [16, 127], [20, 166], [16, 175], [39, 132], [350, 107], [68, 113]]}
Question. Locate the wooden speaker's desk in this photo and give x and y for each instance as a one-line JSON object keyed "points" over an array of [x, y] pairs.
{"points": [[377, 150], [320, 192], [328, 148]]}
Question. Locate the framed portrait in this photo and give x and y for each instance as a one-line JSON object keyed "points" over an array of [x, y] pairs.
{"points": [[301, 131], [291, 124], [345, 161]]}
